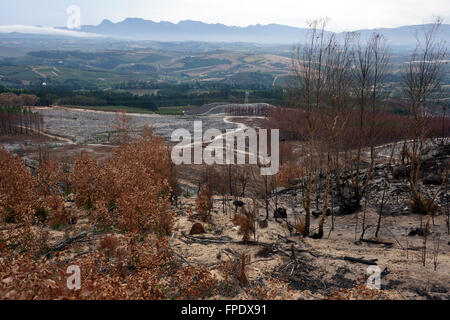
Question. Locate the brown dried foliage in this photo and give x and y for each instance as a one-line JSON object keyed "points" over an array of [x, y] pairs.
{"points": [[246, 222], [17, 190], [235, 271], [116, 270], [130, 190], [204, 204], [288, 173], [83, 180], [359, 292]]}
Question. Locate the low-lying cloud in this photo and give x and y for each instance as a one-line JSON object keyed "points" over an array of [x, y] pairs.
{"points": [[46, 31]]}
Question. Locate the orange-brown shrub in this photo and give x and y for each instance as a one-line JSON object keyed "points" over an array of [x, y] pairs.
{"points": [[423, 205], [275, 290], [24, 198], [300, 224], [197, 228], [17, 189], [50, 175], [235, 271], [246, 222], [109, 245], [26, 278], [58, 214], [359, 292], [130, 190], [194, 283], [83, 179], [288, 173], [204, 204], [115, 270], [140, 187]]}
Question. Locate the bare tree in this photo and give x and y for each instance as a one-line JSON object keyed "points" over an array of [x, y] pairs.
{"points": [[422, 78], [333, 115], [309, 67], [380, 212], [243, 178], [123, 127], [371, 61]]}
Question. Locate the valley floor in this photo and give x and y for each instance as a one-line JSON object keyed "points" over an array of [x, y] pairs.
{"points": [[282, 262]]}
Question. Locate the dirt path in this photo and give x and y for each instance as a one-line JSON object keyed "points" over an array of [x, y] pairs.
{"points": [[148, 115], [240, 128], [67, 140], [58, 138]]}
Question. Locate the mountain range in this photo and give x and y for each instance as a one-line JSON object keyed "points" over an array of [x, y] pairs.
{"points": [[188, 30]]}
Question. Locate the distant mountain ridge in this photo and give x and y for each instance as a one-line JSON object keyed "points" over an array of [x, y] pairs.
{"points": [[188, 30]]}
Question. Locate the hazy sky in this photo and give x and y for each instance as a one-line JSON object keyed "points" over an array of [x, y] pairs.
{"points": [[344, 14]]}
